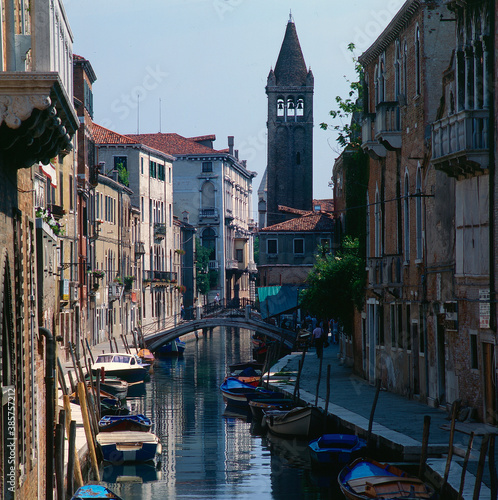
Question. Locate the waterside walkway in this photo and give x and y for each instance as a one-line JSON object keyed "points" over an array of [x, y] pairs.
{"points": [[398, 422]]}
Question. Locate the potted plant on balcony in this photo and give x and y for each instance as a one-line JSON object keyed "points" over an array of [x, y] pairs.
{"points": [[128, 282], [98, 273], [180, 251], [117, 281]]}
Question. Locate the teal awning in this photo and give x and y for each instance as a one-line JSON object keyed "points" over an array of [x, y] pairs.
{"points": [[275, 300]]}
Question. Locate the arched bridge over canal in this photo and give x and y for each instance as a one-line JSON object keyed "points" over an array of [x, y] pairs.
{"points": [[215, 316]]}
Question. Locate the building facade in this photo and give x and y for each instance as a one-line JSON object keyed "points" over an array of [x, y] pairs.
{"points": [[214, 189], [35, 88], [287, 251], [149, 173]]}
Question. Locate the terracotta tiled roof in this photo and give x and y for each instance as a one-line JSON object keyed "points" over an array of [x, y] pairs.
{"points": [[290, 210], [325, 205], [78, 58], [173, 144], [103, 135], [201, 138], [313, 221]]}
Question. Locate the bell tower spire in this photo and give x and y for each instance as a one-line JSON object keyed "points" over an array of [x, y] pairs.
{"points": [[289, 89]]}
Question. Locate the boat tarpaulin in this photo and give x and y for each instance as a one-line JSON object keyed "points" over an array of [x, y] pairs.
{"points": [[275, 300]]}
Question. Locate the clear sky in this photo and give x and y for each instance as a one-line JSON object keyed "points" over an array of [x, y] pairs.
{"points": [[199, 67]]}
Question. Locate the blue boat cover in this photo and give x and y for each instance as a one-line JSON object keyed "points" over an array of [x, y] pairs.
{"points": [[344, 441], [95, 492], [366, 469]]}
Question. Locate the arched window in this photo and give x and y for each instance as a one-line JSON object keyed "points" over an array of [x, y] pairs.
{"points": [[406, 227], [208, 195], [419, 214], [300, 107], [367, 249], [417, 61], [280, 107], [209, 241], [405, 70], [381, 78], [397, 70], [378, 226], [291, 107]]}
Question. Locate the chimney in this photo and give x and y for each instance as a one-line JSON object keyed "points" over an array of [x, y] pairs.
{"points": [[237, 154], [115, 175], [186, 216], [230, 144]]}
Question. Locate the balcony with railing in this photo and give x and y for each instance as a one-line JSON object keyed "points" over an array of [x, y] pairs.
{"points": [[139, 249], [162, 277], [369, 144], [232, 264], [209, 215], [388, 125], [159, 230], [460, 143]]}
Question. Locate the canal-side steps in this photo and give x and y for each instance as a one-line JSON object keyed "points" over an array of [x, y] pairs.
{"points": [[398, 422]]}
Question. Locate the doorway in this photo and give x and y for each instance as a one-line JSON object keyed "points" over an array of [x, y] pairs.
{"points": [[488, 356]]}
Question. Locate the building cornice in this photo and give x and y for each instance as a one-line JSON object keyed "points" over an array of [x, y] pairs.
{"points": [[391, 32]]}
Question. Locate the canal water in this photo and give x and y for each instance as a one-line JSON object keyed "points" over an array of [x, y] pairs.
{"points": [[209, 452]]}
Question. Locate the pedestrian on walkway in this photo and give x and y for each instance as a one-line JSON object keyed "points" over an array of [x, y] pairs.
{"points": [[182, 312], [318, 336]]}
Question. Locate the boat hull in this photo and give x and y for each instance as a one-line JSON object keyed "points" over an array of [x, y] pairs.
{"points": [[364, 479], [175, 348], [128, 446], [299, 422], [236, 393], [115, 423], [338, 449], [257, 406]]}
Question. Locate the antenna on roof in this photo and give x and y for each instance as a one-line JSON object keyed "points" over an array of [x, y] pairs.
{"points": [[159, 115], [138, 113], [291, 19]]}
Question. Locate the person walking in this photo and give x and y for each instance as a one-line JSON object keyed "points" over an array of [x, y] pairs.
{"points": [[318, 336]]}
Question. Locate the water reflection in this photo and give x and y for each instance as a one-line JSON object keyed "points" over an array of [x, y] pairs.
{"points": [[210, 451]]}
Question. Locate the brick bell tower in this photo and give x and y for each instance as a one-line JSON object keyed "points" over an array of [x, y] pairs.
{"points": [[290, 130]]}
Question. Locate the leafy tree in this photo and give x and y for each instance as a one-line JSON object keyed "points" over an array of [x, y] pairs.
{"points": [[336, 284], [201, 266], [123, 175], [256, 249], [349, 109]]}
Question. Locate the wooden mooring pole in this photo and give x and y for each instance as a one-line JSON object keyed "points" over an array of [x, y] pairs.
{"points": [[425, 444], [372, 412]]}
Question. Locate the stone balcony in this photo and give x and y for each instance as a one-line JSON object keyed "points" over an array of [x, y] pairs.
{"points": [[388, 125], [37, 118], [460, 143], [369, 144]]}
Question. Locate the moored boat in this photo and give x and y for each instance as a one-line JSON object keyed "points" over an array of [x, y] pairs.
{"points": [[114, 386], [95, 492], [112, 423], [173, 348], [301, 421], [236, 393], [128, 446], [365, 479], [336, 449], [146, 356], [257, 406], [122, 365], [248, 375]]}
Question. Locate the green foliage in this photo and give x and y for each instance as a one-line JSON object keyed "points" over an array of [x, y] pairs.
{"points": [[123, 175], [336, 284], [256, 249], [350, 129], [213, 278], [201, 266]]}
